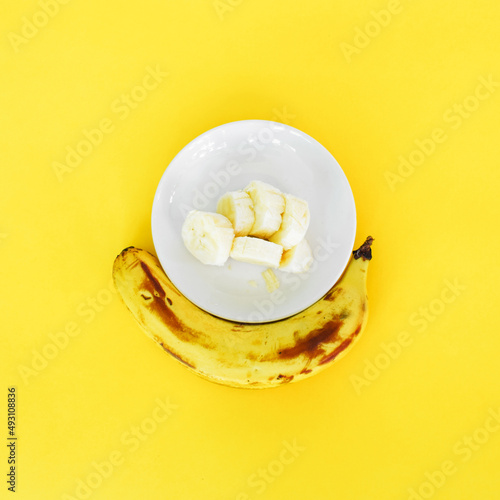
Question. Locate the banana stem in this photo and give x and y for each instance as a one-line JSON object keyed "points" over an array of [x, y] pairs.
{"points": [[365, 250]]}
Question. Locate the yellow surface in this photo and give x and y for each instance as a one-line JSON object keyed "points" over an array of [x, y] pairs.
{"points": [[102, 413]]}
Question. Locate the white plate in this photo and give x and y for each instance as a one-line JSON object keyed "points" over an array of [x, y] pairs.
{"points": [[227, 158]]}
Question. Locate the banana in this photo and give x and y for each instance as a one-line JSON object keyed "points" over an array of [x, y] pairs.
{"points": [[271, 280], [208, 236], [268, 205], [298, 259], [295, 221], [256, 251], [238, 354], [237, 206]]}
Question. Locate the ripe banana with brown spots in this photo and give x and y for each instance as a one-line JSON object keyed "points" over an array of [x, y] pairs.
{"points": [[240, 354]]}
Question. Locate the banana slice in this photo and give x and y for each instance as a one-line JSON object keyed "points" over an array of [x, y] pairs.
{"points": [[268, 205], [256, 251], [208, 236], [295, 222], [298, 259], [271, 280], [237, 206]]}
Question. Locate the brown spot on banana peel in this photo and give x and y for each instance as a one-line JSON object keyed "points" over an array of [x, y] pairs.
{"points": [[332, 294], [125, 250], [342, 347], [344, 314], [156, 285], [237, 327], [312, 344], [173, 354], [160, 308]]}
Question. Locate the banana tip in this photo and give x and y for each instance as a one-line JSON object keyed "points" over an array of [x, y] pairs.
{"points": [[125, 250], [365, 250]]}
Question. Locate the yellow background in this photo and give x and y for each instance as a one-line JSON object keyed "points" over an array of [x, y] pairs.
{"points": [[251, 59]]}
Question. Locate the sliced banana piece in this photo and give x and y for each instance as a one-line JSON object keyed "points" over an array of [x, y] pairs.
{"points": [[295, 222], [297, 259], [271, 280], [268, 205], [256, 251], [208, 236], [237, 206]]}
